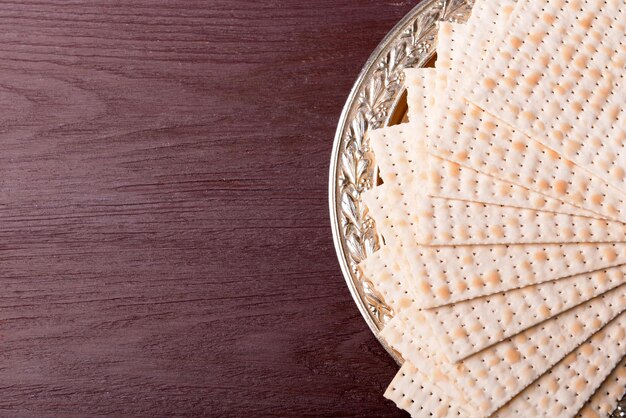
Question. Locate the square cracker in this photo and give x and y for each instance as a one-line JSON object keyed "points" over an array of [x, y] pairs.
{"points": [[465, 328], [563, 391], [449, 178], [437, 221], [401, 150], [608, 395], [489, 379], [469, 136], [447, 274], [436, 276], [412, 391], [558, 76]]}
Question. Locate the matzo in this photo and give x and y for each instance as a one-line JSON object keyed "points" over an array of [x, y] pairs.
{"points": [[468, 327], [558, 76], [492, 17], [563, 391], [606, 398], [465, 328], [412, 391], [437, 221], [437, 276], [401, 151], [471, 137], [410, 268], [492, 377]]}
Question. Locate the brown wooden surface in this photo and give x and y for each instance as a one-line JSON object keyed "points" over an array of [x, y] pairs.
{"points": [[164, 236]]}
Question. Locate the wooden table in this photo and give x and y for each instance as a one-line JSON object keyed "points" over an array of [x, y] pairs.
{"points": [[165, 239]]}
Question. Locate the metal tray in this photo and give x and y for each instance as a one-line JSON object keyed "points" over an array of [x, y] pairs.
{"points": [[377, 99]]}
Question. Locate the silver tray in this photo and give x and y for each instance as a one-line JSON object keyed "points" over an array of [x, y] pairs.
{"points": [[377, 99]]}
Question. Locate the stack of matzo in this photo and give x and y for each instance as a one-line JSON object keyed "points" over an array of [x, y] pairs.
{"points": [[503, 216]]}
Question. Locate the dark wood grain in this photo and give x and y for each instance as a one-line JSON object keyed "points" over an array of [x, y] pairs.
{"points": [[165, 246]]}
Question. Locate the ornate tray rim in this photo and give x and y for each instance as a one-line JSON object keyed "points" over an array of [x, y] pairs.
{"points": [[371, 104]]}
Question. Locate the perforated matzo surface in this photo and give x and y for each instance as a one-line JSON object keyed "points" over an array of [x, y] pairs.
{"points": [[467, 327], [437, 276], [575, 107], [437, 221], [492, 377], [421, 400], [606, 398], [563, 391], [469, 136], [401, 151]]}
